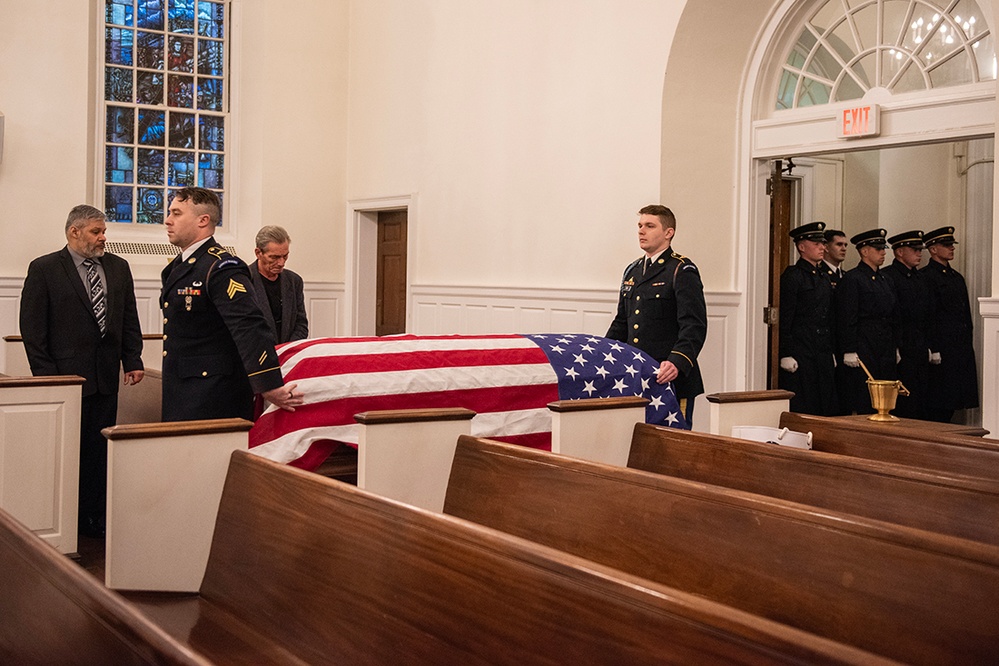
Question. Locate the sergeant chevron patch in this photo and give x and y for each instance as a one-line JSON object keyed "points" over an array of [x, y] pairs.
{"points": [[234, 288]]}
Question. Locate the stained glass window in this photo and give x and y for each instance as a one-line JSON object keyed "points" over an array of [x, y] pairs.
{"points": [[165, 103], [847, 48]]}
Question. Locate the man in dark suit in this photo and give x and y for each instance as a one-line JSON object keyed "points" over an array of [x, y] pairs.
{"points": [[218, 350], [78, 317], [661, 307], [280, 292]]}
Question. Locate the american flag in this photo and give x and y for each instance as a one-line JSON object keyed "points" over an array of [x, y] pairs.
{"points": [[507, 380]]}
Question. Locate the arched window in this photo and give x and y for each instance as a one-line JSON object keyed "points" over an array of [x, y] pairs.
{"points": [[848, 47], [165, 103]]}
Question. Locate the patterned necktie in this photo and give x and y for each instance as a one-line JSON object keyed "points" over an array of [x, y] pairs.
{"points": [[97, 295]]}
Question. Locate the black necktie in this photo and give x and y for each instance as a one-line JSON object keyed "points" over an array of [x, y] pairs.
{"points": [[96, 294], [646, 265]]}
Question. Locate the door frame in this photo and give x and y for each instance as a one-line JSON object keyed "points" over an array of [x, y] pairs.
{"points": [[360, 269]]}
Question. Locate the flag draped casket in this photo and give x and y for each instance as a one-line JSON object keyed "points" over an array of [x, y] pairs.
{"points": [[507, 380]]}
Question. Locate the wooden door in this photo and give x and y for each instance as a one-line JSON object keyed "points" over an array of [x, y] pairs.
{"points": [[390, 304], [782, 190]]}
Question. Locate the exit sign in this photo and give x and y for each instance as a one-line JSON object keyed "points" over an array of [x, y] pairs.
{"points": [[860, 121]]}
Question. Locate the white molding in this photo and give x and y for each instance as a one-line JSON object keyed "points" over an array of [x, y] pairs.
{"points": [[989, 309], [361, 257]]}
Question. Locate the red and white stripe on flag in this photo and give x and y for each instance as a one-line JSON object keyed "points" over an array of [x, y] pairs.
{"points": [[506, 380]]}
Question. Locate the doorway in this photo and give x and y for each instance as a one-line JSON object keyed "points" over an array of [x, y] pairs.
{"points": [[390, 289], [899, 189]]}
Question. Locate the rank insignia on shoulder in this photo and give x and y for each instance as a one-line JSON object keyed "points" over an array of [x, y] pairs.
{"points": [[217, 251], [234, 288], [263, 357]]}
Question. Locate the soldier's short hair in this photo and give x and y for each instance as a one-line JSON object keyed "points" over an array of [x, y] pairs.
{"points": [[199, 196], [665, 215]]}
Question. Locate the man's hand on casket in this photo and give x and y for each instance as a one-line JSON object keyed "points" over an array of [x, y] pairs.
{"points": [[667, 372], [285, 397]]}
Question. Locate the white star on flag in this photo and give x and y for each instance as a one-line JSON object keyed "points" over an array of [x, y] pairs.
{"points": [[580, 360], [630, 369], [610, 358], [656, 402], [602, 372], [587, 348], [589, 389], [671, 418], [617, 347], [558, 349], [620, 386], [571, 372]]}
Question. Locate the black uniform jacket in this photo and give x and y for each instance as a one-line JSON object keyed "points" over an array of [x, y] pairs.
{"points": [[663, 313], [217, 347], [954, 383], [867, 319], [59, 328], [806, 311], [913, 296], [294, 322]]}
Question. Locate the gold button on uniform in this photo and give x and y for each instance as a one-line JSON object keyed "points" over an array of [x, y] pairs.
{"points": [[635, 340], [166, 305], [636, 325], [638, 311], [164, 353], [164, 336], [204, 374]]}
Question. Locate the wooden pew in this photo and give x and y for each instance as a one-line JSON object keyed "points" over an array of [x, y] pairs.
{"points": [[304, 569], [949, 454], [40, 455], [960, 506], [54, 612], [741, 408], [907, 594]]}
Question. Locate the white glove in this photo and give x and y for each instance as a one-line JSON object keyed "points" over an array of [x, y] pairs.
{"points": [[898, 357], [851, 359], [788, 363], [935, 358]]}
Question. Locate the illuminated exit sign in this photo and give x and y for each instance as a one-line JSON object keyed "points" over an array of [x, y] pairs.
{"points": [[860, 121]]}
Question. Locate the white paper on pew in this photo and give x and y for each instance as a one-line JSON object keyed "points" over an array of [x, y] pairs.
{"points": [[780, 436]]}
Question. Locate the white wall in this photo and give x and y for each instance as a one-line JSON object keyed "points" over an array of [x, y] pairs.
{"points": [[528, 131]]}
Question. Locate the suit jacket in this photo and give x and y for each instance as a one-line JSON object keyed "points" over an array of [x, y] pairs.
{"points": [[662, 312], [217, 348], [60, 331], [294, 323]]}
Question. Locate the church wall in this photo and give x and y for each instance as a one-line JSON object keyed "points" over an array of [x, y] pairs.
{"points": [[528, 133]]}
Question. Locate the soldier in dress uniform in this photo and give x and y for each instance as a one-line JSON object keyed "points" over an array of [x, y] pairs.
{"points": [[835, 254], [806, 320], [661, 307], [218, 350], [953, 371], [866, 321], [913, 318]]}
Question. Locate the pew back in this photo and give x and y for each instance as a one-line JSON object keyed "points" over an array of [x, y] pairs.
{"points": [[907, 594], [959, 506], [334, 574], [54, 612], [950, 454]]}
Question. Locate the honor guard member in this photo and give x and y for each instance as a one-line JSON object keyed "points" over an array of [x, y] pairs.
{"points": [[218, 350], [866, 323], [913, 318], [807, 362], [953, 371], [661, 307], [835, 254]]}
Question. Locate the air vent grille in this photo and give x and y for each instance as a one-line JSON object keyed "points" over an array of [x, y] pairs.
{"points": [[149, 249]]}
